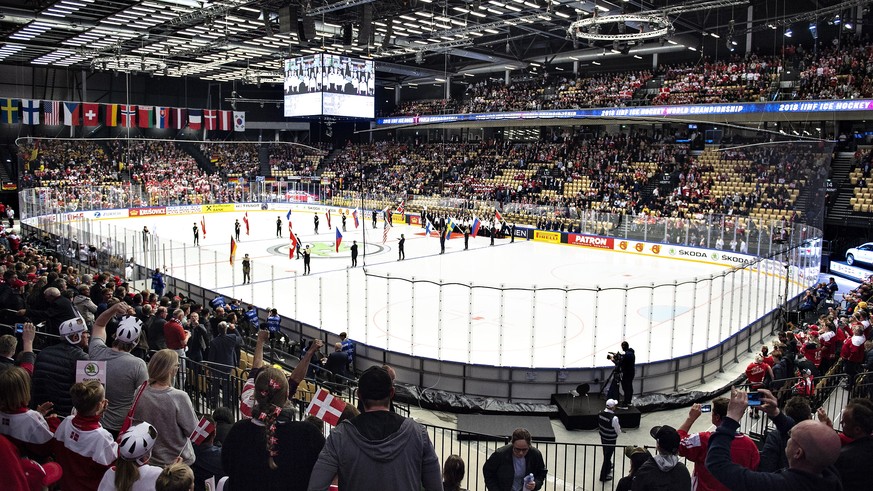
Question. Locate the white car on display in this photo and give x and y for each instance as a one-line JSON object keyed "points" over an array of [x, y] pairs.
{"points": [[861, 254]]}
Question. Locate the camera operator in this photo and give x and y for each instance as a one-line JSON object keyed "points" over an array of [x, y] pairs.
{"points": [[626, 364]]}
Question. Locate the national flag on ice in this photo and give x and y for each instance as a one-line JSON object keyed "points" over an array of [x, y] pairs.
{"points": [[239, 121], [202, 431], [449, 227], [476, 225], [232, 250], [72, 113], [51, 111], [326, 407], [30, 111], [246, 221], [327, 214], [385, 233], [294, 244], [90, 112], [427, 227], [195, 119], [355, 216], [400, 206], [339, 239], [203, 225], [497, 216], [288, 215]]}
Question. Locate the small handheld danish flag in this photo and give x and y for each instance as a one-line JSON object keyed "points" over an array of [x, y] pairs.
{"points": [[202, 431], [326, 407]]}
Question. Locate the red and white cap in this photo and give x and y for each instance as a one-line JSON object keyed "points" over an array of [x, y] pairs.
{"points": [[39, 476]]}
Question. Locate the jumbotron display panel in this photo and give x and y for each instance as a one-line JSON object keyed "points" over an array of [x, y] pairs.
{"points": [[330, 85]]}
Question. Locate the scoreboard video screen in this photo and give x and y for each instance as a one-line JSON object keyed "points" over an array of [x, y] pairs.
{"points": [[330, 85]]}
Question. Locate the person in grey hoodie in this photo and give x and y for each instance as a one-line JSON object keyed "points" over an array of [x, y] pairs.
{"points": [[377, 449], [663, 471]]}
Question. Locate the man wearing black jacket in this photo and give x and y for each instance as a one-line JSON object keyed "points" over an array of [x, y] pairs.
{"points": [[812, 450]]}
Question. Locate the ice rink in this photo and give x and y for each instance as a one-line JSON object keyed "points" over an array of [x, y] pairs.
{"points": [[523, 304]]}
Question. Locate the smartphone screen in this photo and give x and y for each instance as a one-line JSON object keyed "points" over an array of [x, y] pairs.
{"points": [[754, 399], [19, 328], [705, 408]]}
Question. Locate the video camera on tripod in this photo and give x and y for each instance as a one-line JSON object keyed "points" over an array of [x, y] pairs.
{"points": [[615, 357]]}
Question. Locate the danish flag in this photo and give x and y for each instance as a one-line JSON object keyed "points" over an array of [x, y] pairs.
{"points": [[326, 407], [202, 431]]}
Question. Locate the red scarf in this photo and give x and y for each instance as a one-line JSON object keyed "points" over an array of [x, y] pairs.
{"points": [[86, 423]]}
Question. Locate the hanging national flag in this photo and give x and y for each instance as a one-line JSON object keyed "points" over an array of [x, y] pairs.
{"points": [[326, 407], [72, 112], [288, 217], [89, 113], [355, 216], [51, 112], [239, 121], [449, 227], [246, 221], [203, 225], [112, 115], [476, 225], [339, 239], [178, 117], [327, 214], [30, 111], [162, 117], [195, 119], [202, 431], [497, 216], [210, 116], [128, 115], [232, 250], [427, 227], [225, 120], [294, 245], [146, 116], [9, 110]]}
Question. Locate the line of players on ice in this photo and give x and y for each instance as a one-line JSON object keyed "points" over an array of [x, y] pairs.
{"points": [[440, 224]]}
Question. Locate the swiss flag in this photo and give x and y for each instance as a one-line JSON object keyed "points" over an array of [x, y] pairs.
{"points": [[209, 116], [326, 407], [225, 120], [89, 113], [202, 431]]}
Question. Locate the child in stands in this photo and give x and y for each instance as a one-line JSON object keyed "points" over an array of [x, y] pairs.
{"points": [[82, 447]]}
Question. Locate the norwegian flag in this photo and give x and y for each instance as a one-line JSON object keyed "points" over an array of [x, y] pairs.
{"points": [[246, 221], [326, 407], [202, 431], [400, 206], [128, 115]]}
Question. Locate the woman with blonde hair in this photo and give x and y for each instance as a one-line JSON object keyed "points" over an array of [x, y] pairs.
{"points": [[271, 451], [27, 429], [168, 409]]}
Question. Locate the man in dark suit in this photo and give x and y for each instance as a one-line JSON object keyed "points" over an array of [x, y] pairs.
{"points": [[336, 362]]}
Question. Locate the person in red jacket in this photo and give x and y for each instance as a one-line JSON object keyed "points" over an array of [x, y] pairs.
{"points": [[853, 355], [694, 445], [82, 447], [828, 346], [755, 372]]}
